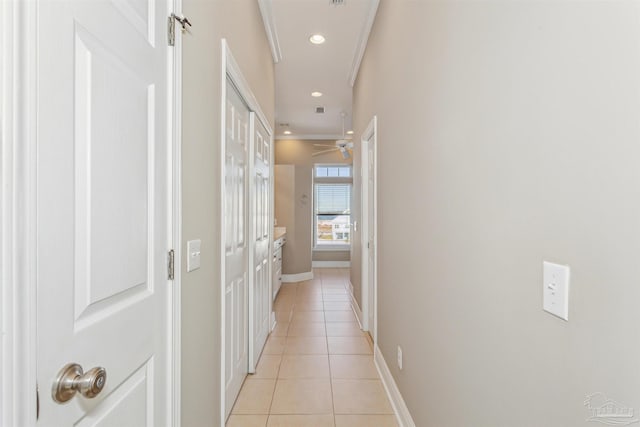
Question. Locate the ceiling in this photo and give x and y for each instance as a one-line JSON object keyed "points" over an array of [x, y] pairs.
{"points": [[302, 67]]}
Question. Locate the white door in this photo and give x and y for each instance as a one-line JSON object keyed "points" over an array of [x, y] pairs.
{"points": [[259, 295], [371, 234], [369, 217], [102, 216], [236, 237]]}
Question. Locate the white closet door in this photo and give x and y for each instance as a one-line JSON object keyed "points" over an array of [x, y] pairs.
{"points": [[236, 244], [260, 231]]}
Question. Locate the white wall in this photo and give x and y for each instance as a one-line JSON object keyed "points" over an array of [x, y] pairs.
{"points": [[508, 134], [240, 22]]}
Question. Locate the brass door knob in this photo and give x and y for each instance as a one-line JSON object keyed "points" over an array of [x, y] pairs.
{"points": [[71, 379]]}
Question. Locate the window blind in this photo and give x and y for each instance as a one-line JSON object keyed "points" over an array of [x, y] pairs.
{"points": [[333, 199]]}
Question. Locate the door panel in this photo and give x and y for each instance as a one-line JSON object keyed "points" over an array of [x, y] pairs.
{"points": [[237, 256], [103, 197], [371, 224], [261, 283]]}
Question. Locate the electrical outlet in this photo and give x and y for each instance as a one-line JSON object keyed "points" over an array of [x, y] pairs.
{"points": [[400, 358], [555, 289]]}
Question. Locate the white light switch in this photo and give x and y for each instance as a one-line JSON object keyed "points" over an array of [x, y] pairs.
{"points": [[555, 289], [193, 255]]}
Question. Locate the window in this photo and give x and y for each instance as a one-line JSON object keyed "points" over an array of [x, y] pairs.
{"points": [[332, 213], [328, 171]]}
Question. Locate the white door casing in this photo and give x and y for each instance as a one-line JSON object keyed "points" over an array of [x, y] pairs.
{"points": [[103, 209], [369, 229], [260, 226]]}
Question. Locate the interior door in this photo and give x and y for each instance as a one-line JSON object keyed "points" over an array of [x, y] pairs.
{"points": [[236, 238], [102, 217], [260, 202], [371, 233]]}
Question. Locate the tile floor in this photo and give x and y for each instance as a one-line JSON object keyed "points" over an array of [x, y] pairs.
{"points": [[317, 367]]}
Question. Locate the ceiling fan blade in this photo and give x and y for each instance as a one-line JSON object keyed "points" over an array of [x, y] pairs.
{"points": [[322, 145], [317, 153]]}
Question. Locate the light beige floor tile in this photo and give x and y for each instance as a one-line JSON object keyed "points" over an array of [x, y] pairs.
{"points": [[349, 345], [286, 294], [360, 397], [302, 397], [309, 306], [274, 345], [304, 366], [285, 304], [307, 316], [333, 281], [344, 329], [283, 316], [366, 421], [352, 366], [334, 290], [306, 345], [247, 421], [336, 286], [336, 298], [301, 421], [309, 293], [280, 330], [337, 306], [340, 316], [255, 397], [268, 366], [315, 329], [308, 297]]}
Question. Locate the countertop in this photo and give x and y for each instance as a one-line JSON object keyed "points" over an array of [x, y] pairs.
{"points": [[279, 232]]}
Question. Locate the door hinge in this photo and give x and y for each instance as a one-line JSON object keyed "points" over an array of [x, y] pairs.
{"points": [[170, 265], [171, 27]]}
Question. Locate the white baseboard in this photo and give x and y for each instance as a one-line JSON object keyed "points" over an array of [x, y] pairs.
{"points": [[273, 321], [330, 264], [354, 305], [397, 402], [300, 277]]}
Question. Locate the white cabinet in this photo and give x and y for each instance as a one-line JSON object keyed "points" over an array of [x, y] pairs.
{"points": [[277, 265]]}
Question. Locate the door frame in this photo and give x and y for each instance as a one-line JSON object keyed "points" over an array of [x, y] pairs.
{"points": [[18, 210], [369, 284], [18, 73], [230, 68]]}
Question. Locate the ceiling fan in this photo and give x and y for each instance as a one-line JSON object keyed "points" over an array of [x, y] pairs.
{"points": [[343, 145]]}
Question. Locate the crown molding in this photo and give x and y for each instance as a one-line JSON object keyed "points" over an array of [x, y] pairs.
{"points": [[362, 42], [266, 10]]}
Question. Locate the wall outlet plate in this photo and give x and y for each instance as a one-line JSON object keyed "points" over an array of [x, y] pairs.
{"points": [[555, 289], [400, 358]]}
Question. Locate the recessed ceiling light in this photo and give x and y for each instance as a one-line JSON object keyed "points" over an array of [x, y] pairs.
{"points": [[316, 94], [349, 132], [317, 39], [287, 132]]}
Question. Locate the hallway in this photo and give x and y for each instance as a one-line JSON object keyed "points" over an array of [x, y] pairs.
{"points": [[317, 368]]}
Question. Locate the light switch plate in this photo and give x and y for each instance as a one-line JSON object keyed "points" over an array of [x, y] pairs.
{"points": [[555, 289], [193, 255]]}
